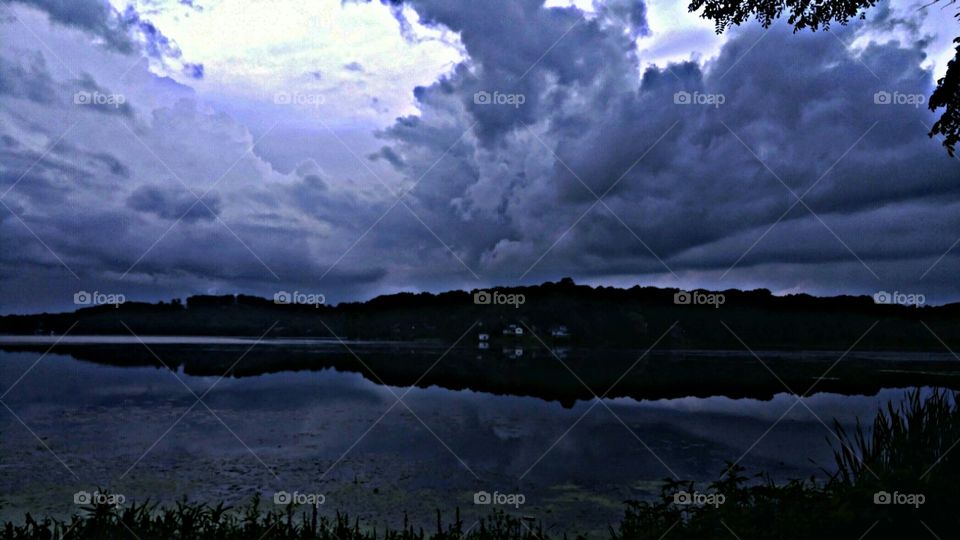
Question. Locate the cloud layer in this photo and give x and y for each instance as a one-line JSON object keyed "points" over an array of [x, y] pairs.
{"points": [[787, 161], [689, 188]]}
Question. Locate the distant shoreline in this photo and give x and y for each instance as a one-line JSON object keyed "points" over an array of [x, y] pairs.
{"points": [[554, 315]]}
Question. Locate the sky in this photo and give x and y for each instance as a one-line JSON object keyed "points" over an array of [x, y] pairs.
{"points": [[163, 148]]}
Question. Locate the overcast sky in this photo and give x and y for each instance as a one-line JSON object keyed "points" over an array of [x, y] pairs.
{"points": [[162, 148]]}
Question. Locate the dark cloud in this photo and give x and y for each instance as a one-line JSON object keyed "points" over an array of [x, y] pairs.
{"points": [[628, 14], [388, 154], [126, 32], [43, 178], [194, 71], [152, 40], [27, 77], [520, 177], [697, 163], [173, 204], [113, 165], [96, 17], [582, 52]]}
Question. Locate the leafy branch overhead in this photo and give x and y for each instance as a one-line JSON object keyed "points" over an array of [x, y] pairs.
{"points": [[806, 14]]}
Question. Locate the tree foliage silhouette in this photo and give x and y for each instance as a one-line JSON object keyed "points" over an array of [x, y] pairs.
{"points": [[807, 14]]}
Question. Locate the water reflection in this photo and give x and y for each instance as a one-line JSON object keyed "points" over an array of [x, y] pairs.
{"points": [[140, 432]]}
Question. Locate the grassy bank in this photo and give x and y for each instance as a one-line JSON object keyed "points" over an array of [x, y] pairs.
{"points": [[896, 480]]}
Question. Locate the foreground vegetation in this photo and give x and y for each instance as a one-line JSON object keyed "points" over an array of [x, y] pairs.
{"points": [[907, 453], [896, 480]]}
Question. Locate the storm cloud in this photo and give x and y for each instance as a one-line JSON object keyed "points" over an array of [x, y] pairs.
{"points": [[795, 162], [785, 150]]}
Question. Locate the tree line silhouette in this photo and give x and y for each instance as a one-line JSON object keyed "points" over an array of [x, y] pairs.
{"points": [[594, 317]]}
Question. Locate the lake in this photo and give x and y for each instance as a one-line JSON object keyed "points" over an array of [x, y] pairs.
{"points": [[140, 431]]}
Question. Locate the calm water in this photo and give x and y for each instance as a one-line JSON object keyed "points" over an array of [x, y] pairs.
{"points": [[140, 432]]}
